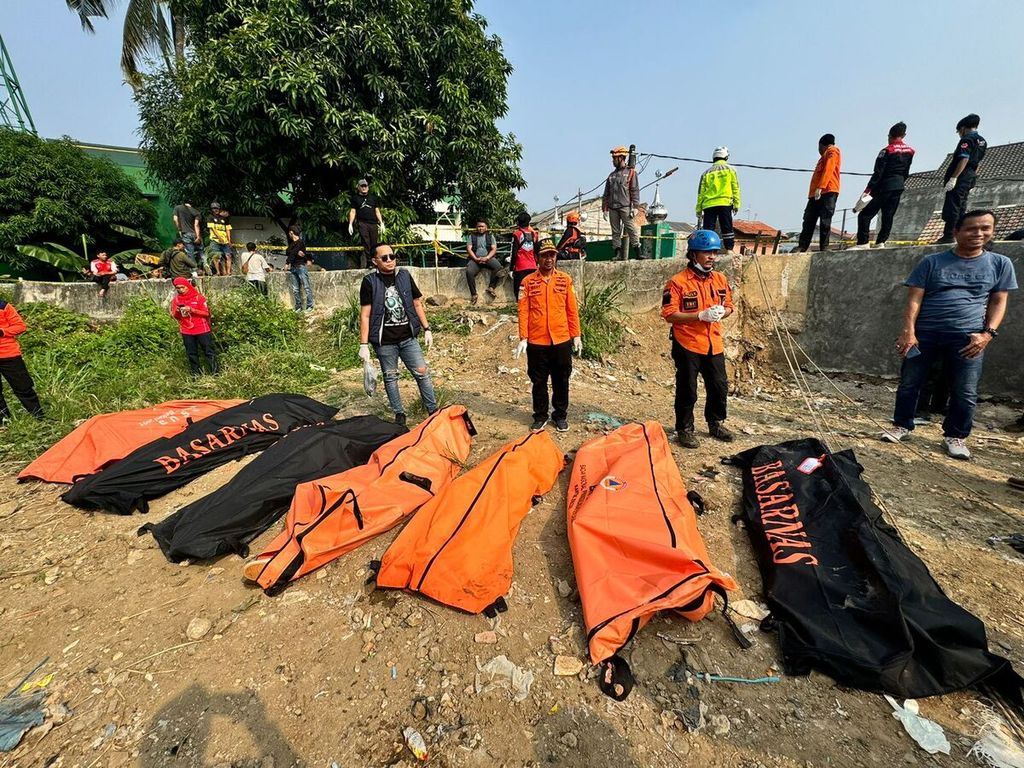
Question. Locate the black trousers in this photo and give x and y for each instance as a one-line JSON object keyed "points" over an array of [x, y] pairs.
{"points": [[193, 343], [554, 362], [887, 203], [722, 216], [473, 269], [368, 235], [259, 285], [712, 369], [13, 369], [818, 212], [103, 281], [955, 204], [517, 279]]}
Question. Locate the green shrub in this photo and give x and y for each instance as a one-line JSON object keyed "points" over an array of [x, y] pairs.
{"points": [[450, 321], [601, 320], [243, 318]]}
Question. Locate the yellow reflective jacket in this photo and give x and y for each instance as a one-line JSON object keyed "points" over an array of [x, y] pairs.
{"points": [[719, 185]]}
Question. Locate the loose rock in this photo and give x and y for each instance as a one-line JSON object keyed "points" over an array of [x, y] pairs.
{"points": [[198, 628], [567, 666]]}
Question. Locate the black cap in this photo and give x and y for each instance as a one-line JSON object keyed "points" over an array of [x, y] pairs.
{"points": [[827, 139], [971, 121]]}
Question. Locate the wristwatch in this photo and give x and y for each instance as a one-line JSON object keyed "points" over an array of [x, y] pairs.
{"points": [[990, 331], [426, 327]]}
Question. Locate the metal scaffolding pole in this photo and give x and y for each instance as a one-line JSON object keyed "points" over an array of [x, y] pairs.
{"points": [[13, 107]]}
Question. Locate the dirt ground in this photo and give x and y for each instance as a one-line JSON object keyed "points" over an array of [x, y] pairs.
{"points": [[328, 673]]}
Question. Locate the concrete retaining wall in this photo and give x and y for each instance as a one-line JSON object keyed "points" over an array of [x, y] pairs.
{"points": [[846, 307]]}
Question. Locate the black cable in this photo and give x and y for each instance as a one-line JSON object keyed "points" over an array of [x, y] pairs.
{"points": [[747, 165]]}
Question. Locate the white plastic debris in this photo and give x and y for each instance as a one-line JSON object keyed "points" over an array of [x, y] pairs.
{"points": [[927, 733], [996, 747], [519, 678]]}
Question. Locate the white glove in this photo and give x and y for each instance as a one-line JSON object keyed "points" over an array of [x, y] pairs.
{"points": [[817, 194], [350, 229], [428, 339], [712, 314], [577, 344], [604, 215], [382, 228], [364, 352], [950, 184], [518, 351], [632, 213]]}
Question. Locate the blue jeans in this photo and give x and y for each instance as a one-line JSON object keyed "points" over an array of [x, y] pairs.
{"points": [[963, 373], [194, 249], [412, 355], [300, 282]]}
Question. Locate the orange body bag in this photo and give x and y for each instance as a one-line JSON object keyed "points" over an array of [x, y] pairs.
{"points": [[109, 437], [336, 514], [634, 539], [458, 548]]}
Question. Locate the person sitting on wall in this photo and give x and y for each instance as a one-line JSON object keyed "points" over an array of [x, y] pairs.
{"points": [[481, 253], [103, 270], [175, 262], [956, 301]]}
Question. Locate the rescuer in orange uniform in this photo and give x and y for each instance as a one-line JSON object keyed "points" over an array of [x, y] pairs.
{"points": [[549, 332], [694, 303]]}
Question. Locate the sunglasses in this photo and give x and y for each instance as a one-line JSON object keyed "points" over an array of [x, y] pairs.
{"points": [[387, 257]]}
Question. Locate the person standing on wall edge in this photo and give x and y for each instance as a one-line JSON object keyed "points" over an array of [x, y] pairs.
{"points": [[12, 365], [694, 303], [186, 221], [620, 201], [961, 174], [549, 332], [573, 245], [956, 301], [822, 195], [391, 317], [718, 197], [885, 187], [297, 261], [366, 214]]}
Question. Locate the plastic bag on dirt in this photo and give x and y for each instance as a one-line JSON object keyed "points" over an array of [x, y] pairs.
{"points": [[519, 678], [369, 378], [928, 734]]}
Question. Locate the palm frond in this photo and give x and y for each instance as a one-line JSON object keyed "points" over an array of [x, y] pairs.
{"points": [[86, 10], [146, 30]]}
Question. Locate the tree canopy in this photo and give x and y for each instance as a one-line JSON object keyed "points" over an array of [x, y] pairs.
{"points": [[52, 191], [283, 105]]}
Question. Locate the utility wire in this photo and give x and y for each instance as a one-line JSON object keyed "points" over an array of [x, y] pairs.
{"points": [[745, 165]]}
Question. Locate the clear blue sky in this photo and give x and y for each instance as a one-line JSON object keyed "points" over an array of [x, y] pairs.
{"points": [[765, 77]]}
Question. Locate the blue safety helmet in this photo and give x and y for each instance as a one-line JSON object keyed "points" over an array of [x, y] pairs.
{"points": [[704, 240]]}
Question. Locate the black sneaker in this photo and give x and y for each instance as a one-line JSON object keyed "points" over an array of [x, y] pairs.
{"points": [[538, 424], [561, 425], [719, 432], [688, 440], [400, 419]]}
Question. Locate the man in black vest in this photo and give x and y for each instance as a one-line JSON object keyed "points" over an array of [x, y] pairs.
{"points": [[391, 318]]}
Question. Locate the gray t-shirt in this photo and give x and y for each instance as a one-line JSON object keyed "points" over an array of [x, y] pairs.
{"points": [[956, 290], [481, 244]]}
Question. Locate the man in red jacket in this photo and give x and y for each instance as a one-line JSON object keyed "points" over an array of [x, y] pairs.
{"points": [[12, 366]]}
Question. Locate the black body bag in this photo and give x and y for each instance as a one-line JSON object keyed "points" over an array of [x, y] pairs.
{"points": [[847, 597], [239, 511], [168, 463]]}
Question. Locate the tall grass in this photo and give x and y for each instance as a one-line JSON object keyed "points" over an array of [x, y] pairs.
{"points": [[601, 318], [82, 368]]}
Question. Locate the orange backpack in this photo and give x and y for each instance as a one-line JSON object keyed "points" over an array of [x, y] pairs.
{"points": [[336, 514], [458, 548], [635, 545]]}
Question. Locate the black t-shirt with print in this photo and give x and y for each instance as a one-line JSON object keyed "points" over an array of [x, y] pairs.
{"points": [[366, 207], [396, 321]]}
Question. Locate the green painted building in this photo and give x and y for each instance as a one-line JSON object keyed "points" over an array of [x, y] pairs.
{"points": [[130, 161]]}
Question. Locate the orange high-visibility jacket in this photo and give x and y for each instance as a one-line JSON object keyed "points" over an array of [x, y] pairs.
{"points": [[336, 514], [548, 312], [109, 437], [634, 539], [826, 172], [458, 548], [687, 291]]}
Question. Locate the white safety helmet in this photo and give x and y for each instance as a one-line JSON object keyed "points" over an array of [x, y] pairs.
{"points": [[720, 153]]}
